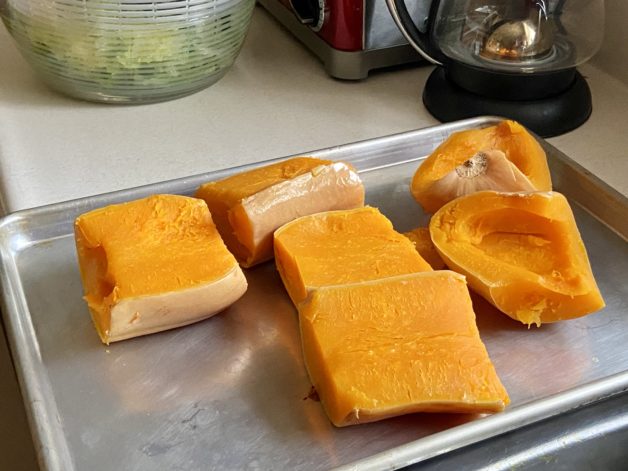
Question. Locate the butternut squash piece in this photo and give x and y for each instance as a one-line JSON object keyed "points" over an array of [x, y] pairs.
{"points": [[250, 206], [504, 157], [420, 236], [383, 348], [339, 247], [522, 252], [154, 264]]}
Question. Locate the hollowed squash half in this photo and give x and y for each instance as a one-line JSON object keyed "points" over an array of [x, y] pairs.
{"points": [[521, 251]]}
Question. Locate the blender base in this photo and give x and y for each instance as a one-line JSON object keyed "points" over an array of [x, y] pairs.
{"points": [[547, 117]]}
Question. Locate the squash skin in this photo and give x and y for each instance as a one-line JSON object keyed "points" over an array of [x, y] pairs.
{"points": [[522, 252], [519, 146], [248, 207]]}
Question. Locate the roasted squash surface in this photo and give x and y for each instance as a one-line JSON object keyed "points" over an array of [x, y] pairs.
{"points": [[422, 240], [248, 207], [339, 247], [397, 345], [146, 255], [521, 251], [520, 148]]}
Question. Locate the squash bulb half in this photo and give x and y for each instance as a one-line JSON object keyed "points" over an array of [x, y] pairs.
{"points": [[522, 252], [486, 170], [466, 162]]}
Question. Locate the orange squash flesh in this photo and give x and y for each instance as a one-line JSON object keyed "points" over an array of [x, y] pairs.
{"points": [[339, 247], [520, 148], [521, 251], [154, 264], [250, 206], [422, 240], [370, 358]]}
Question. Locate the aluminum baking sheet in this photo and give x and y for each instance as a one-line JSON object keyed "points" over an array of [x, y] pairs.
{"points": [[231, 392]]}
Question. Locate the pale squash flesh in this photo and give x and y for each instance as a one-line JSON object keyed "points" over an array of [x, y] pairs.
{"points": [[397, 345], [153, 264], [248, 207], [521, 251], [519, 147], [339, 247]]}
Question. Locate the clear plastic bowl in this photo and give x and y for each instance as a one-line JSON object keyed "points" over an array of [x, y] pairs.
{"points": [[128, 51]]}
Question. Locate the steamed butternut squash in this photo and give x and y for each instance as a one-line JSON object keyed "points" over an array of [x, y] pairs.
{"points": [[504, 157], [339, 247], [422, 240], [521, 251], [154, 264], [248, 207], [398, 345]]}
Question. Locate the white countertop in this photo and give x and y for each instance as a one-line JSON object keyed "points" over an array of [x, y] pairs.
{"points": [[275, 101]]}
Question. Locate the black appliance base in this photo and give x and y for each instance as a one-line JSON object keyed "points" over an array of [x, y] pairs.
{"points": [[547, 117]]}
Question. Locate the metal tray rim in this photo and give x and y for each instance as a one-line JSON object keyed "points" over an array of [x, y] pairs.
{"points": [[51, 451], [493, 425]]}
